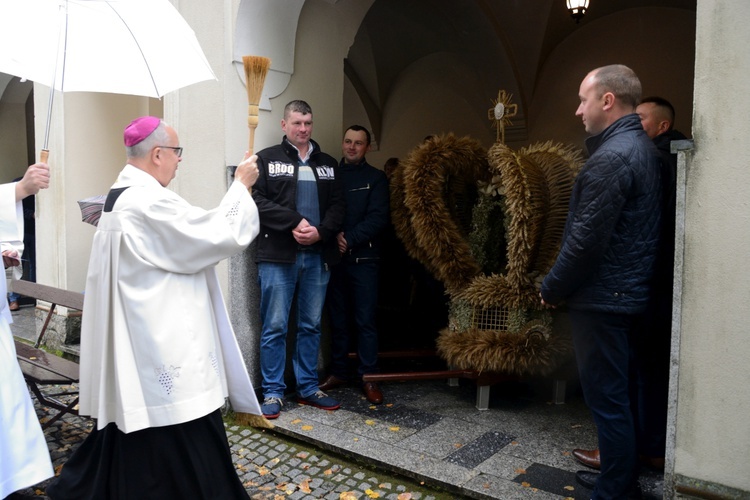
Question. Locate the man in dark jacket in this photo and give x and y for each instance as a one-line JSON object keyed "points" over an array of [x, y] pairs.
{"points": [[655, 326], [353, 291], [301, 209], [605, 265]]}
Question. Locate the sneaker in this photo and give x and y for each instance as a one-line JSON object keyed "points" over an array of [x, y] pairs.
{"points": [[271, 408], [319, 400]]}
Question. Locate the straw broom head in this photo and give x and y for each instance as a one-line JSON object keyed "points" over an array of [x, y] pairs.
{"points": [[256, 69], [251, 420]]}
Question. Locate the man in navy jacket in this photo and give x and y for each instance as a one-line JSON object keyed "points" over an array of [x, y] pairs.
{"points": [[353, 290], [604, 269]]}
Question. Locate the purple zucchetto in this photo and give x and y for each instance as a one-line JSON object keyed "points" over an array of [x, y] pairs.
{"points": [[139, 129]]}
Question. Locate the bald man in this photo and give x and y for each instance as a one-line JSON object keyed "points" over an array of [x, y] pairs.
{"points": [[657, 117], [606, 260]]}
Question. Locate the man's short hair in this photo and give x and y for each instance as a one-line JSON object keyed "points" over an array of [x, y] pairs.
{"points": [[297, 106], [621, 81], [359, 128], [664, 105]]}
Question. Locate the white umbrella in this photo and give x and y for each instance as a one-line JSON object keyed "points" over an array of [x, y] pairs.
{"points": [[137, 47]]}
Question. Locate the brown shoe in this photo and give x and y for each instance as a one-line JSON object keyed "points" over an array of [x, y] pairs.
{"points": [[331, 382], [372, 392], [589, 458], [13, 306], [656, 463]]}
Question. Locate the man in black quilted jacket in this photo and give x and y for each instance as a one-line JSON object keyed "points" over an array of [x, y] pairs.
{"points": [[606, 261]]}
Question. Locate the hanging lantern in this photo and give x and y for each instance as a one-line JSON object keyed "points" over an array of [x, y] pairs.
{"points": [[577, 8]]}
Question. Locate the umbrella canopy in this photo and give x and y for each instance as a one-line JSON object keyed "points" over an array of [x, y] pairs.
{"points": [[137, 47], [91, 208]]}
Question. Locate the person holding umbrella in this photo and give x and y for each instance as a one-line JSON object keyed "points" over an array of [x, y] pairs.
{"points": [[24, 457], [158, 354]]}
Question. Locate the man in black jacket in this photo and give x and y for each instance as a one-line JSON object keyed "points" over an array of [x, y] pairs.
{"points": [[605, 265], [655, 326], [353, 291], [301, 207]]}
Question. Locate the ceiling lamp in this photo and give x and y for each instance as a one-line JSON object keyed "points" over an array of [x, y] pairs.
{"points": [[577, 8]]}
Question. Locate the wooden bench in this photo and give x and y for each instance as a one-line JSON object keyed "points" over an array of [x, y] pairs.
{"points": [[41, 368]]}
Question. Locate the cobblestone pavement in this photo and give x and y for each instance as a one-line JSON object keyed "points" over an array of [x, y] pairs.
{"points": [[270, 465]]}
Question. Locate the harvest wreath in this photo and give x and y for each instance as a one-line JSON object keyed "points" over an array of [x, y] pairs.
{"points": [[492, 260]]}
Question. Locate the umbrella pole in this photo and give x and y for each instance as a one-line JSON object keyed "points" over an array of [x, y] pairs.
{"points": [[44, 154]]}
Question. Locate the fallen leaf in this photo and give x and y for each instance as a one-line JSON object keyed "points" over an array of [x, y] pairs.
{"points": [[395, 428], [520, 471], [327, 472], [404, 496], [281, 486], [306, 427], [373, 407], [370, 422], [514, 443], [457, 445], [566, 453], [356, 439], [276, 460], [486, 486], [390, 405], [372, 494], [525, 484], [263, 471], [296, 421], [347, 495], [304, 486], [569, 488]]}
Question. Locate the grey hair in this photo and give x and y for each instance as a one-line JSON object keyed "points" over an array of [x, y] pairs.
{"points": [[621, 81], [297, 106], [158, 137]]}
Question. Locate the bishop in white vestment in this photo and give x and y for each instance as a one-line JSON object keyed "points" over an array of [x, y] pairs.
{"points": [[158, 354]]}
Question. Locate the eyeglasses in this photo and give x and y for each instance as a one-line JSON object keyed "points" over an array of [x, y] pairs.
{"points": [[177, 150]]}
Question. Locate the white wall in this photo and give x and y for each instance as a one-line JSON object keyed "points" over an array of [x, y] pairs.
{"points": [[713, 434]]}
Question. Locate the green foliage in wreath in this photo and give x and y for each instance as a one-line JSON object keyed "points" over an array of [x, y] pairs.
{"points": [[487, 238]]}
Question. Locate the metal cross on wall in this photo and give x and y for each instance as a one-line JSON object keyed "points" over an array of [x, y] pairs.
{"points": [[501, 113]]}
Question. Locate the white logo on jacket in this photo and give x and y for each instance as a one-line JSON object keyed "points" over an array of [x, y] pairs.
{"points": [[280, 169], [325, 173]]}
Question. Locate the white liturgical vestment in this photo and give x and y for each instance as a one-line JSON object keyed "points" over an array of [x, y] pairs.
{"points": [[157, 347], [24, 457]]}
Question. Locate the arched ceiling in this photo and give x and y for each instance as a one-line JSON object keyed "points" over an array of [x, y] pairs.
{"points": [[504, 43]]}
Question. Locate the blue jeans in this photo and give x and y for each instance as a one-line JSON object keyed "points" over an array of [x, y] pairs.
{"points": [[352, 304], [278, 283], [603, 347]]}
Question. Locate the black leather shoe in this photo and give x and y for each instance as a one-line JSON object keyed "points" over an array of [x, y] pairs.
{"points": [[372, 392], [587, 478], [331, 382]]}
